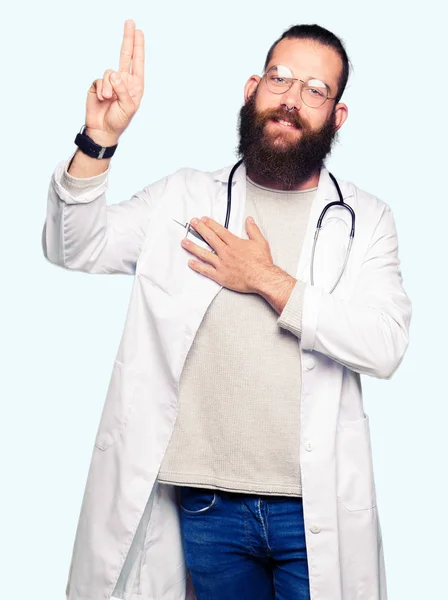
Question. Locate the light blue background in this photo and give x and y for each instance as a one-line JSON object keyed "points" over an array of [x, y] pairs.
{"points": [[61, 329]]}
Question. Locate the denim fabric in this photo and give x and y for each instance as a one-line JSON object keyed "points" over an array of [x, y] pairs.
{"points": [[242, 546]]}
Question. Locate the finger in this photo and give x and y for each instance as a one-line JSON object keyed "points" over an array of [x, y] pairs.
{"points": [[209, 236], [206, 255], [94, 87], [107, 85], [253, 230], [124, 99], [99, 87], [138, 58], [204, 269], [222, 232], [127, 46]]}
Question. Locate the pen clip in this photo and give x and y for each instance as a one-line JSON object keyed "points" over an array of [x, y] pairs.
{"points": [[190, 229]]}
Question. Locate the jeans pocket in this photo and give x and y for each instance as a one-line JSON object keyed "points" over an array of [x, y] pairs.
{"points": [[196, 500]]}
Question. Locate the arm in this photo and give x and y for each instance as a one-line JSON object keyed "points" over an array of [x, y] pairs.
{"points": [[368, 332], [81, 232], [285, 294]]}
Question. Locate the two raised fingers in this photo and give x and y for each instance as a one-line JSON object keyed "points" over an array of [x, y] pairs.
{"points": [[132, 56], [132, 51]]}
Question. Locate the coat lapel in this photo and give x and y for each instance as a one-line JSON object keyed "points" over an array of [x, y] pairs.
{"points": [[203, 288], [236, 220]]}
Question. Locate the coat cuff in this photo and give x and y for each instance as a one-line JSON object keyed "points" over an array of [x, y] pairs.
{"points": [[291, 316], [78, 189], [310, 313]]}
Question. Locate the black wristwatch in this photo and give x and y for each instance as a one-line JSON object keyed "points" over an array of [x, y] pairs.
{"points": [[91, 148]]}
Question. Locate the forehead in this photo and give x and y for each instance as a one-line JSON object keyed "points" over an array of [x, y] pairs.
{"points": [[307, 57]]}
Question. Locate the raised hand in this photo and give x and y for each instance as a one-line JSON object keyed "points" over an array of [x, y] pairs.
{"points": [[113, 100]]}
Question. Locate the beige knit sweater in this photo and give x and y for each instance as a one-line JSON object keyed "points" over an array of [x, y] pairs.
{"points": [[238, 426]]}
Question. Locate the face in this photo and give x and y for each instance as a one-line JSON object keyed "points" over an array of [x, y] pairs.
{"points": [[291, 154]]}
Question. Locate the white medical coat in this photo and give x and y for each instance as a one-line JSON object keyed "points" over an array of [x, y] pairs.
{"points": [[128, 540]]}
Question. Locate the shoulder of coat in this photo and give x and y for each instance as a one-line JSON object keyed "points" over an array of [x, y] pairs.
{"points": [[366, 201], [191, 175]]}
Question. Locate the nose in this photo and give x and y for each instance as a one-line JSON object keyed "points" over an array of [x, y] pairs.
{"points": [[293, 96]]}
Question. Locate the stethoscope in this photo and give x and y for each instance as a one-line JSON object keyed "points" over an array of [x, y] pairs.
{"points": [[339, 202]]}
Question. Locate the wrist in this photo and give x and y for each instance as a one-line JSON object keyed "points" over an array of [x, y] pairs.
{"points": [[102, 138], [275, 286]]}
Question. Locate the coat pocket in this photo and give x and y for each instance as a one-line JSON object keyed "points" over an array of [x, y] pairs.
{"points": [[355, 478], [117, 404], [164, 262]]}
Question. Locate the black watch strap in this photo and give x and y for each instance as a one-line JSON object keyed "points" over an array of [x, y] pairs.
{"points": [[91, 148]]}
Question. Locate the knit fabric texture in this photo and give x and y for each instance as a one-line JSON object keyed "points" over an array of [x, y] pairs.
{"points": [[238, 425]]}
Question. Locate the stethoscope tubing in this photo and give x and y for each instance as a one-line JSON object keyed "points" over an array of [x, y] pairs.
{"points": [[339, 202], [229, 192]]}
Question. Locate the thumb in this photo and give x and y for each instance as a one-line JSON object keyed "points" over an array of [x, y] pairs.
{"points": [[123, 97], [253, 230]]}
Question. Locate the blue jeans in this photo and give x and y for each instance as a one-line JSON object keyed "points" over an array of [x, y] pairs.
{"points": [[242, 546]]}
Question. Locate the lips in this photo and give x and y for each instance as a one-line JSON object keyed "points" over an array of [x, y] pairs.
{"points": [[285, 123]]}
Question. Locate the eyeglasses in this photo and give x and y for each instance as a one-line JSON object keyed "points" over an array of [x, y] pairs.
{"points": [[313, 92]]}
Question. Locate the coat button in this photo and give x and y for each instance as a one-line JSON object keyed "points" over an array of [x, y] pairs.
{"points": [[309, 446], [310, 363], [315, 528]]}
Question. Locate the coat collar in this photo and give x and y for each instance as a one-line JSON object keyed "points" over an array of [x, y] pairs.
{"points": [[326, 190]]}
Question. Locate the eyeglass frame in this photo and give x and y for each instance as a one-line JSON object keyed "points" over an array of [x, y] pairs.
{"points": [[292, 79]]}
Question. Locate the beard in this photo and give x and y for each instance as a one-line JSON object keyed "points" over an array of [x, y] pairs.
{"points": [[271, 156]]}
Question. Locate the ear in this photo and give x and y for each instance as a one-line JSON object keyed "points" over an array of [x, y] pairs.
{"points": [[251, 86], [341, 111]]}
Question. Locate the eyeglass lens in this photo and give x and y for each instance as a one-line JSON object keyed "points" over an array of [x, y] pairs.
{"points": [[313, 92]]}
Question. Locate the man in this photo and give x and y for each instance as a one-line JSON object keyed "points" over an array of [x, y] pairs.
{"points": [[233, 455]]}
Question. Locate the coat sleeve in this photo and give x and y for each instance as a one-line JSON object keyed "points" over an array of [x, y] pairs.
{"points": [[368, 332], [83, 233]]}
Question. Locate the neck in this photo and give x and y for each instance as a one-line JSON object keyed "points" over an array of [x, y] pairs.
{"points": [[312, 182]]}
